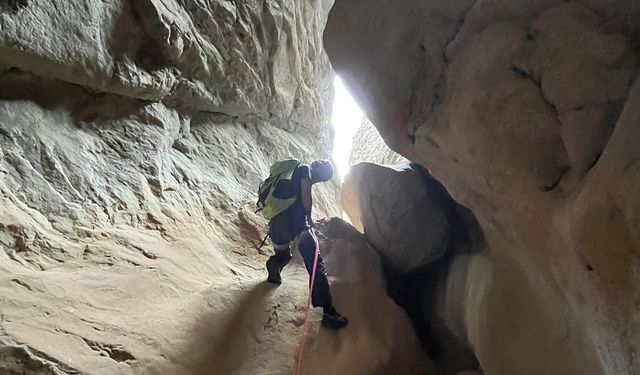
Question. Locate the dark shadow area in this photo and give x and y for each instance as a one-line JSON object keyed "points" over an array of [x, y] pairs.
{"points": [[12, 6], [142, 43], [222, 347], [81, 103], [417, 291]]}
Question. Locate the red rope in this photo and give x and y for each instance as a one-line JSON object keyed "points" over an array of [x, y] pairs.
{"points": [[306, 313]]}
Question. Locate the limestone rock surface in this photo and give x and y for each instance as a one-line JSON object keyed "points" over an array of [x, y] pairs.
{"points": [[133, 136], [526, 111], [425, 239], [240, 59], [380, 340], [400, 216], [368, 146]]}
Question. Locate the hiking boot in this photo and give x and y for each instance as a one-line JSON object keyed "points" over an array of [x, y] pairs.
{"points": [[331, 319], [274, 271]]}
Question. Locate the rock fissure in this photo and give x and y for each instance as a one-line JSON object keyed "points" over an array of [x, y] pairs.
{"points": [[19, 358], [115, 352]]}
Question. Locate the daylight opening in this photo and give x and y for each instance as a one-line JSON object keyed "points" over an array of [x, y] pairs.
{"points": [[346, 119]]}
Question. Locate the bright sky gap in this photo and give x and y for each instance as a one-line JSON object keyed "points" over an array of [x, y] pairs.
{"points": [[346, 119]]}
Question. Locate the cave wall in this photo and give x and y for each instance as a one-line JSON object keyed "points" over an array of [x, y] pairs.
{"points": [[133, 135], [526, 112], [155, 113], [368, 146]]}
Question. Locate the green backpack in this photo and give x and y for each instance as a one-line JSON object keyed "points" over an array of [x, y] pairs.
{"points": [[269, 205]]}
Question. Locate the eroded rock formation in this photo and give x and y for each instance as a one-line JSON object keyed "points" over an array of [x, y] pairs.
{"points": [[527, 112], [433, 252], [368, 146], [133, 135], [396, 224], [380, 338]]}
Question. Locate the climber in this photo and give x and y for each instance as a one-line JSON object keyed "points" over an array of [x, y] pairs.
{"points": [[285, 199]]}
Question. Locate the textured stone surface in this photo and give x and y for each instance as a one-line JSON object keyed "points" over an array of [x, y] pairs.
{"points": [[368, 146], [524, 111], [251, 58], [380, 340], [401, 217], [133, 136], [424, 239]]}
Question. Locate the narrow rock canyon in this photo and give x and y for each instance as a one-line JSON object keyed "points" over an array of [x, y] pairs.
{"points": [[527, 113], [491, 227]]}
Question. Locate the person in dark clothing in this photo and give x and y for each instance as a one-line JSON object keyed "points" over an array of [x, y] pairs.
{"points": [[295, 224]]}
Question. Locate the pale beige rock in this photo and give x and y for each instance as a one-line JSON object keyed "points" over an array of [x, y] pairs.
{"points": [[351, 203], [401, 215], [424, 239], [380, 340], [192, 310], [239, 59], [360, 49], [369, 147], [526, 119], [133, 136]]}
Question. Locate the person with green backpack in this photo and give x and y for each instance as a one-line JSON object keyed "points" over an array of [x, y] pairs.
{"points": [[285, 200]]}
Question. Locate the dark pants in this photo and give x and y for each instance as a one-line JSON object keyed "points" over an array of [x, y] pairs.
{"points": [[281, 235]]}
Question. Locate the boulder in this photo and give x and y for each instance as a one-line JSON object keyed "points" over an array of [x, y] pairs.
{"points": [[401, 215]]}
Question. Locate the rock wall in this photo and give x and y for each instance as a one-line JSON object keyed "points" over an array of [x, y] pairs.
{"points": [[133, 135], [368, 146], [368, 197], [526, 112], [184, 68]]}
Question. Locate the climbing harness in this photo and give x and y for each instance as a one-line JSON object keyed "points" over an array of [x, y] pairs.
{"points": [[306, 312]]}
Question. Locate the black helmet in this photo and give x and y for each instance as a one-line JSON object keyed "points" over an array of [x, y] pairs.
{"points": [[321, 170]]}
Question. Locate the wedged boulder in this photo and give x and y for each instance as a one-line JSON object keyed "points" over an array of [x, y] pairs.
{"points": [[404, 218]]}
